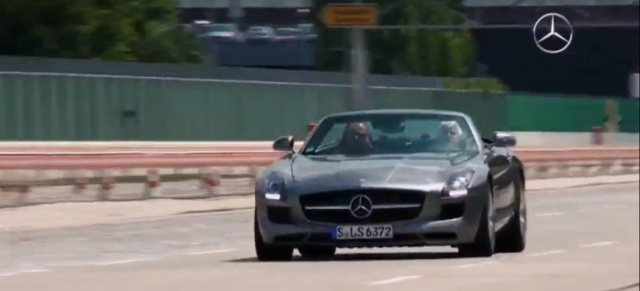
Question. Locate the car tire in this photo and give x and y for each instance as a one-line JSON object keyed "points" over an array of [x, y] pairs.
{"points": [[513, 237], [485, 240], [266, 252], [317, 252]]}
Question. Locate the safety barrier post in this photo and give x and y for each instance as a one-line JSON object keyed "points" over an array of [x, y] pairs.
{"points": [[596, 135], [152, 185], [107, 184], [23, 192], [256, 172], [80, 182], [210, 181]]}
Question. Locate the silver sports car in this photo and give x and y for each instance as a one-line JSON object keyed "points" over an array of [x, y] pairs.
{"points": [[387, 178]]}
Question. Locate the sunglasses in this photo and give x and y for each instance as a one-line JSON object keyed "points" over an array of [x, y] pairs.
{"points": [[360, 135]]}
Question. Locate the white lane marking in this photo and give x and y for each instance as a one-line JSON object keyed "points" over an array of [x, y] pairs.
{"points": [[121, 262], [64, 265], [614, 206], [24, 272], [598, 244], [551, 214], [547, 253], [211, 252], [475, 264], [393, 280], [36, 271]]}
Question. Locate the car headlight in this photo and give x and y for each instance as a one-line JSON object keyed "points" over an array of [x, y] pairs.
{"points": [[458, 183], [274, 188]]}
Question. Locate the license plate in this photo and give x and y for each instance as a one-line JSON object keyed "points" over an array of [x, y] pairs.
{"points": [[363, 232]]}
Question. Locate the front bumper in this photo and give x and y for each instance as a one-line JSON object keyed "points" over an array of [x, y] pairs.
{"points": [[442, 221]]}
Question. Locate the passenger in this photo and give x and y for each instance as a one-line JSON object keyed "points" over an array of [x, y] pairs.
{"points": [[450, 137]]}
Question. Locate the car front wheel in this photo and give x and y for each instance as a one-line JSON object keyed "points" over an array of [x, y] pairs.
{"points": [[267, 252], [485, 240], [513, 238]]}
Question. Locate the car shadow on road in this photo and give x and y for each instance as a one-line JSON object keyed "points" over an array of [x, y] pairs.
{"points": [[368, 257]]}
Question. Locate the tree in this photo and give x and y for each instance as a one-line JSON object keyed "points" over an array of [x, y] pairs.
{"points": [[133, 30], [426, 52]]}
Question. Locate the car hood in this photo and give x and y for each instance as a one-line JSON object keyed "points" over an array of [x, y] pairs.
{"points": [[326, 174]]}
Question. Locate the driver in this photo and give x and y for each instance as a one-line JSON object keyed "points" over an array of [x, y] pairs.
{"points": [[356, 140]]}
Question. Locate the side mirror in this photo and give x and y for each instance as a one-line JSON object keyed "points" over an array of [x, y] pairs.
{"points": [[503, 139], [284, 144]]}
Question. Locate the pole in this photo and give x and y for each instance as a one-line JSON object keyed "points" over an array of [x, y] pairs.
{"points": [[359, 68]]}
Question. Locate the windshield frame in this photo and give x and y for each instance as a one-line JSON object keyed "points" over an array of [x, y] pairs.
{"points": [[322, 124]]}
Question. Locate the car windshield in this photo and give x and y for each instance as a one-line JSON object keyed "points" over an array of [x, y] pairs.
{"points": [[389, 134]]}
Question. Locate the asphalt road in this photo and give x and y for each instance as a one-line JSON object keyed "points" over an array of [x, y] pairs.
{"points": [[582, 239]]}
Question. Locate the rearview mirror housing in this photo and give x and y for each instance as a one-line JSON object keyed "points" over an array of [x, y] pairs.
{"points": [[503, 139], [284, 144]]}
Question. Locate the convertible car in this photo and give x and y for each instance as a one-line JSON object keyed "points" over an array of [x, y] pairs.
{"points": [[391, 178]]}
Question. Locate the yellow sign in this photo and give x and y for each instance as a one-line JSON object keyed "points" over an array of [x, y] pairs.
{"points": [[349, 15]]}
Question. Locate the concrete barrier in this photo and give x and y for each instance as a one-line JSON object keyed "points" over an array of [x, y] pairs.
{"points": [[550, 140], [30, 187], [49, 172], [574, 139]]}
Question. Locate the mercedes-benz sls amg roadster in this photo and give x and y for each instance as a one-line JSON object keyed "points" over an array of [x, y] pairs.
{"points": [[391, 178]]}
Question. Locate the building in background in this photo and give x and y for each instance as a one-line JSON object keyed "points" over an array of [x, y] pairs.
{"points": [[634, 85], [254, 33], [255, 12], [599, 60]]}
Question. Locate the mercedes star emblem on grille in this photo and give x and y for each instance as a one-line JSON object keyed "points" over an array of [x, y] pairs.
{"points": [[361, 206]]}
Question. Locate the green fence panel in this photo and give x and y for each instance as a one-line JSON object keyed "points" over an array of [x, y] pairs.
{"points": [[566, 114], [61, 108], [201, 110], [385, 98], [106, 108], [535, 113], [228, 111], [64, 107], [629, 111], [488, 111]]}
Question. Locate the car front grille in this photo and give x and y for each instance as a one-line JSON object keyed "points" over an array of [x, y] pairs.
{"points": [[388, 205]]}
